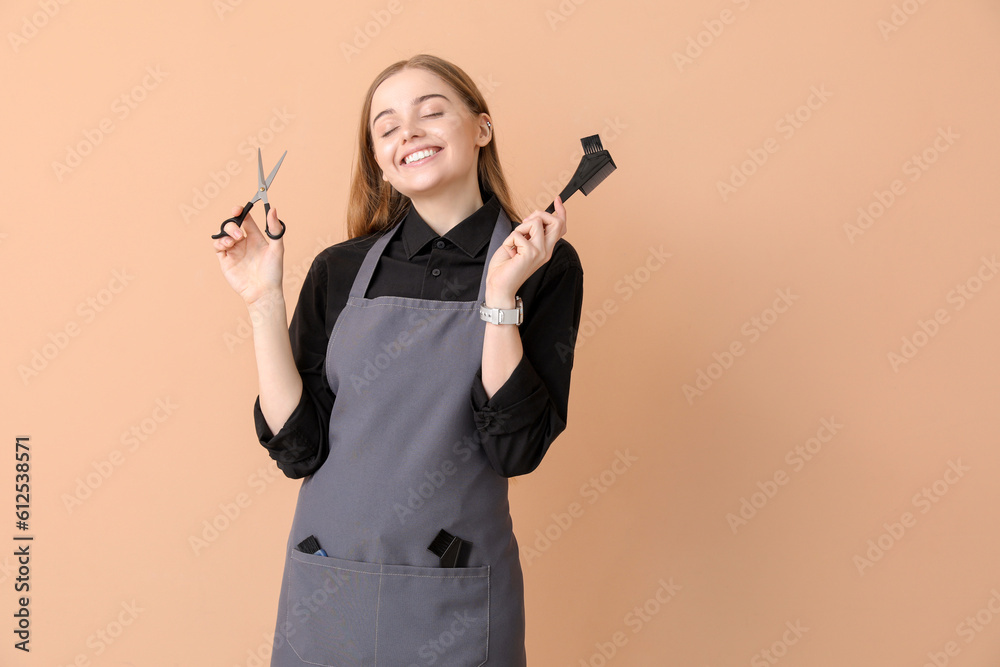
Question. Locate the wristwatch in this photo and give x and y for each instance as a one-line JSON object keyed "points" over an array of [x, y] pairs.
{"points": [[503, 315]]}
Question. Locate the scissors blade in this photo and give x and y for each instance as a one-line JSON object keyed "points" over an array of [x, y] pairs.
{"points": [[274, 171], [260, 172], [261, 187]]}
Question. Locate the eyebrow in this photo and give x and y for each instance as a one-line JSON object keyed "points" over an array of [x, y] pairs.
{"points": [[416, 100]]}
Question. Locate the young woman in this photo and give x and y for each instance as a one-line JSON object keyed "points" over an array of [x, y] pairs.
{"points": [[401, 409]]}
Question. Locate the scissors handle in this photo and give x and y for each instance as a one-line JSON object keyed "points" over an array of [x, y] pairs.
{"points": [[267, 209], [243, 214], [238, 220]]}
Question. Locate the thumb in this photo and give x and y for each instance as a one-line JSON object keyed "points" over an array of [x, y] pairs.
{"points": [[272, 221]]}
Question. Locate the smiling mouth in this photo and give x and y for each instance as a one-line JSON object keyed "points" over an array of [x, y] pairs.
{"points": [[437, 150]]}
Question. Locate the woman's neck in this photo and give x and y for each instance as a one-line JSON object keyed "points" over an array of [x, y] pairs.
{"points": [[441, 213]]}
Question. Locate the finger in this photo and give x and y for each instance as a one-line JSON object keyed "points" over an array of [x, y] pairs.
{"points": [[250, 228], [232, 228], [534, 229], [528, 222], [223, 244], [272, 223], [515, 242], [542, 237], [549, 220], [234, 231], [530, 240], [559, 230], [555, 223], [560, 210], [510, 244], [548, 238]]}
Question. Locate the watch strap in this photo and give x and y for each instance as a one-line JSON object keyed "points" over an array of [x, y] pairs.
{"points": [[503, 315]]}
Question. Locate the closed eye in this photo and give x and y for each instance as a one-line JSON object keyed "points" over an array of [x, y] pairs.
{"points": [[439, 113]]}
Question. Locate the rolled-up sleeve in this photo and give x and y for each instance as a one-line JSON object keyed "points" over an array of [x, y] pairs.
{"points": [[526, 414], [301, 445]]}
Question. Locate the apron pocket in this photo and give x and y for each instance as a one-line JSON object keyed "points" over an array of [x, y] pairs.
{"points": [[345, 612], [331, 606], [433, 615]]}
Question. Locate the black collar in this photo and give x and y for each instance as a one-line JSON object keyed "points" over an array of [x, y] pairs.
{"points": [[470, 234]]}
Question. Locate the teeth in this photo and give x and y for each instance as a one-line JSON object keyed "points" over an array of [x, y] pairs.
{"points": [[427, 152]]}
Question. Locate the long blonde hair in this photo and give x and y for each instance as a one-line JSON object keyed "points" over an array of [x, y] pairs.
{"points": [[374, 205]]}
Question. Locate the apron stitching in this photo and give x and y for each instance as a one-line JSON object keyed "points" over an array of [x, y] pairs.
{"points": [[285, 635], [471, 305], [378, 601], [489, 583], [401, 574]]}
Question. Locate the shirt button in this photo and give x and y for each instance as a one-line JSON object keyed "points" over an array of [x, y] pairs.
{"points": [[440, 244], [436, 272]]}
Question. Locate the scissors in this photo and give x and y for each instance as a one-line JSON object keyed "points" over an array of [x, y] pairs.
{"points": [[261, 195]]}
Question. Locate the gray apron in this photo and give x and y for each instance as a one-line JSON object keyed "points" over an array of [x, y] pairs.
{"points": [[405, 461]]}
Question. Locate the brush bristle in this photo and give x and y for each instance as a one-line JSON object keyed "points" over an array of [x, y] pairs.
{"points": [[592, 144], [441, 542], [310, 545]]}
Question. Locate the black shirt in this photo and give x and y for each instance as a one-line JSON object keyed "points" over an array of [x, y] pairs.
{"points": [[526, 413]]}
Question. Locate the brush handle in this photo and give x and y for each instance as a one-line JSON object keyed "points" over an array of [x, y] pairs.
{"points": [[564, 195]]}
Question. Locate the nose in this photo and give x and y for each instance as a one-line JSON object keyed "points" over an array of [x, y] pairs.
{"points": [[409, 127]]}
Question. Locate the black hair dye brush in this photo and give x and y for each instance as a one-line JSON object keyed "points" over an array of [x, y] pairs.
{"points": [[448, 548], [595, 166]]}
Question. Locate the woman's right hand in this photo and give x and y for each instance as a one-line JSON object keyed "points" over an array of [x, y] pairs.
{"points": [[251, 262]]}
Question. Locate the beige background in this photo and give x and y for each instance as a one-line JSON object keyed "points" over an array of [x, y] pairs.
{"points": [[168, 330]]}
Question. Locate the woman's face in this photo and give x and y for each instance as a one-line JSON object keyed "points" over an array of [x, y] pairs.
{"points": [[412, 110]]}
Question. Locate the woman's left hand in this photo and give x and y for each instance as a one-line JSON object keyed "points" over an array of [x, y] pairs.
{"points": [[527, 248]]}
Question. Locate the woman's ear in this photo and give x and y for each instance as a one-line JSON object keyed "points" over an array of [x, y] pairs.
{"points": [[485, 129]]}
